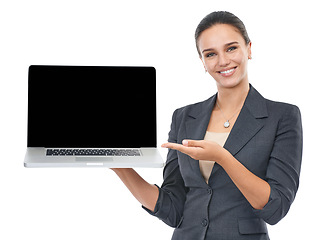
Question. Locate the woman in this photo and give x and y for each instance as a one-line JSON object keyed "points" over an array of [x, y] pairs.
{"points": [[230, 192]]}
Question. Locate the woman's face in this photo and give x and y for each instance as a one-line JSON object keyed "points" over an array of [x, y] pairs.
{"points": [[224, 54]]}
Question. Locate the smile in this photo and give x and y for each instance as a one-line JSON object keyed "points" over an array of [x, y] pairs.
{"points": [[228, 72]]}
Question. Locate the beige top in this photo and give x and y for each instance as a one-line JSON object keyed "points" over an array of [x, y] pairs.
{"points": [[206, 167]]}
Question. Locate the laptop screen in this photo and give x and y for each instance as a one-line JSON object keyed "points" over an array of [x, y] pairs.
{"points": [[91, 107]]}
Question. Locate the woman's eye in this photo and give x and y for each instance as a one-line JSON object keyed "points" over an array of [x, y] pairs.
{"points": [[210, 55], [231, 49]]}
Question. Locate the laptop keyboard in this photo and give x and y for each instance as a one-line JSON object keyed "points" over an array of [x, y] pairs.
{"points": [[92, 152]]}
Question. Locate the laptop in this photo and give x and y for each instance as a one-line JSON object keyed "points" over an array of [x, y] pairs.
{"points": [[92, 116]]}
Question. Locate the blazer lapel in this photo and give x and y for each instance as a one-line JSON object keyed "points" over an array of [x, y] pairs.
{"points": [[198, 119], [248, 123], [243, 130], [196, 125]]}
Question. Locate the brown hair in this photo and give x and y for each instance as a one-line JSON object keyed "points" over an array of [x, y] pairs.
{"points": [[221, 17]]}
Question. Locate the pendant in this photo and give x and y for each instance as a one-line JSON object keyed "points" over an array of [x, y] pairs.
{"points": [[227, 124]]}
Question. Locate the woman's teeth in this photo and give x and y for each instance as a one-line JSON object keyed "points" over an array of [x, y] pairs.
{"points": [[228, 71]]}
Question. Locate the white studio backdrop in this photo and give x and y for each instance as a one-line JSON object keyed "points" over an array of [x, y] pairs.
{"points": [[288, 65]]}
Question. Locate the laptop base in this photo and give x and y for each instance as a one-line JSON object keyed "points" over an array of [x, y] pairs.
{"points": [[36, 158]]}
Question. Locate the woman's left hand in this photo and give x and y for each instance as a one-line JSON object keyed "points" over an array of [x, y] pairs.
{"points": [[199, 149]]}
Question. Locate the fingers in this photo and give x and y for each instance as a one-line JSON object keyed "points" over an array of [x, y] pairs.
{"points": [[185, 143], [193, 143], [178, 147], [174, 146], [196, 149], [188, 147]]}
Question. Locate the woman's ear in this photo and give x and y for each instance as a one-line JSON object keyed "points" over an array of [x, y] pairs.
{"points": [[249, 51]]}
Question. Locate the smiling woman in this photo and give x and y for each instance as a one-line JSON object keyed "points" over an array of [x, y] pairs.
{"points": [[234, 160], [224, 54]]}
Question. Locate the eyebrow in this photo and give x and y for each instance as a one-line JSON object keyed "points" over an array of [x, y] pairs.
{"points": [[226, 45]]}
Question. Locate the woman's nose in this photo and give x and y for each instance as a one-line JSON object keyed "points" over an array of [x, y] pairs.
{"points": [[223, 60]]}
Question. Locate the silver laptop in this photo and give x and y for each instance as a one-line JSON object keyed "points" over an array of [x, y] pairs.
{"points": [[92, 116]]}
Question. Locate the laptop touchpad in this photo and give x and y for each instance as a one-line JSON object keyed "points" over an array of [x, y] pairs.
{"points": [[94, 159]]}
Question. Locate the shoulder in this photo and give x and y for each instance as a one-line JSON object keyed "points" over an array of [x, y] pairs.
{"points": [[195, 108], [261, 106], [282, 108], [285, 116]]}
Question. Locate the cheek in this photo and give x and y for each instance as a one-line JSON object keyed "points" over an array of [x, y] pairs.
{"points": [[239, 58], [210, 65]]}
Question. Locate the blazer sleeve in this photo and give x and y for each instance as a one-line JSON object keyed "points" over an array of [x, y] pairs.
{"points": [[172, 193], [284, 166]]}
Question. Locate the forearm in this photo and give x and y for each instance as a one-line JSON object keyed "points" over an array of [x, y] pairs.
{"points": [[254, 189], [145, 193]]}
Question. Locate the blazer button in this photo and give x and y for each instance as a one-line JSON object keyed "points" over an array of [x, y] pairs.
{"points": [[209, 191], [204, 223]]}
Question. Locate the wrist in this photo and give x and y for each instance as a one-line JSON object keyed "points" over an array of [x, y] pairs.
{"points": [[222, 156]]}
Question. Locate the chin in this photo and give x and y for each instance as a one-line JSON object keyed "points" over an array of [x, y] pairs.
{"points": [[228, 83], [231, 82]]}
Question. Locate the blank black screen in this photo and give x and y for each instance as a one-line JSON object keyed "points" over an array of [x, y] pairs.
{"points": [[91, 107]]}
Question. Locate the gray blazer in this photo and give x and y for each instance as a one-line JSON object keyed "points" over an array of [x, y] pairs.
{"points": [[266, 139]]}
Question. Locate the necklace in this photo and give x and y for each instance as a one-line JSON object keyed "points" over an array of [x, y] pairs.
{"points": [[227, 122]]}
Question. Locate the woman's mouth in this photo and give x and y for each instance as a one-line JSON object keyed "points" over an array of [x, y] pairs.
{"points": [[227, 73]]}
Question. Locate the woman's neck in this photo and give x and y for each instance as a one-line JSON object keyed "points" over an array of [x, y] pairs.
{"points": [[232, 99]]}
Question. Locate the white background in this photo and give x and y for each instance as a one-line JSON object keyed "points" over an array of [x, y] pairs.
{"points": [[288, 49]]}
